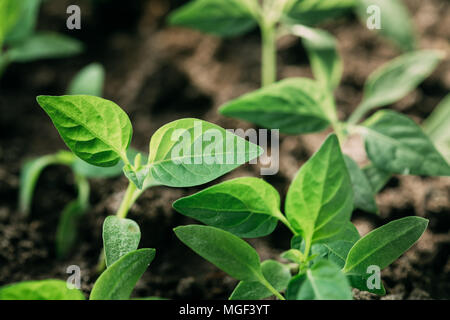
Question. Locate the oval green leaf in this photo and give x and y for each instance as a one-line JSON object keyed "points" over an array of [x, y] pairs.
{"points": [[323, 281], [117, 282], [88, 81], [190, 152], [294, 106], [384, 245], [96, 130], [396, 79], [223, 249], [394, 143], [311, 12], [246, 207], [45, 45], [120, 236], [319, 201]]}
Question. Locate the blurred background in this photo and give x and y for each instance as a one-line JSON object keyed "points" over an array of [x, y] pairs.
{"points": [[157, 74]]}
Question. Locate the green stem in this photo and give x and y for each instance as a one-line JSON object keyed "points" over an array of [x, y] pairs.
{"points": [[358, 114], [269, 58], [271, 289]]}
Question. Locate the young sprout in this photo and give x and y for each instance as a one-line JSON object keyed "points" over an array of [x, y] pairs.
{"points": [[327, 252]]}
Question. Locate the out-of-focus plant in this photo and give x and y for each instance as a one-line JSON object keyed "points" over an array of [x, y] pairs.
{"points": [[327, 254], [20, 42], [394, 143], [276, 18]]}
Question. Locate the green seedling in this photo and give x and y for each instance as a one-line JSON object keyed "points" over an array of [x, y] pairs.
{"points": [[20, 42], [394, 143], [99, 132], [126, 264], [277, 18], [327, 255], [89, 80]]}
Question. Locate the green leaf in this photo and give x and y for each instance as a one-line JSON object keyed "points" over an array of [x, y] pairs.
{"points": [[120, 236], [9, 14], [394, 143], [246, 207], [363, 194], [30, 173], [326, 62], [319, 201], [376, 177], [220, 17], [85, 169], [96, 130], [394, 80], [117, 282], [40, 290], [294, 255], [223, 249], [384, 245], [360, 282], [395, 21], [437, 125], [311, 12], [26, 22], [45, 45], [323, 281], [137, 176], [338, 247], [294, 106], [277, 274], [88, 81], [66, 233], [190, 152]]}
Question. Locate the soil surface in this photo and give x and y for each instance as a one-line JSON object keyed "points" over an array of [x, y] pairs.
{"points": [[159, 74]]}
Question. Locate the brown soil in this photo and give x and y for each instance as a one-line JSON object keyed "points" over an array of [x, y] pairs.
{"points": [[159, 74]]}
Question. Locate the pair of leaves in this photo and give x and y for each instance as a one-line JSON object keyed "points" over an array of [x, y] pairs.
{"points": [[40, 290], [236, 257], [99, 132], [220, 17], [125, 263], [294, 106], [394, 143]]}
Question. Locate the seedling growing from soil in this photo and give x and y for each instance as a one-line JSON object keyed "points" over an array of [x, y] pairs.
{"points": [[126, 264], [183, 153], [276, 18], [394, 143], [327, 254], [19, 42], [90, 81]]}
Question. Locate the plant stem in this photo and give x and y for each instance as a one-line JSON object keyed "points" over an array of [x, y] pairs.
{"points": [[271, 289], [269, 58], [127, 201]]}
